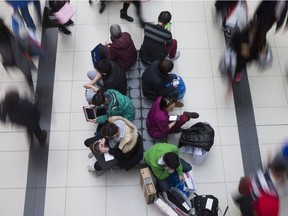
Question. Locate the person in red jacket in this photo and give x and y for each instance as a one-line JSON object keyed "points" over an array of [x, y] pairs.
{"points": [[122, 49]]}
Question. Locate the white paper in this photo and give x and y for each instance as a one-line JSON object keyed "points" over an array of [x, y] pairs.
{"points": [[108, 157], [186, 206], [189, 180], [209, 204]]}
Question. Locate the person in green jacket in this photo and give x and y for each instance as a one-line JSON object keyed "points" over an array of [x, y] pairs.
{"points": [[112, 103], [163, 159]]}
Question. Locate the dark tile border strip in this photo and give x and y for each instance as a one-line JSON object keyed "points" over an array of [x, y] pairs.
{"points": [[246, 125], [38, 155]]}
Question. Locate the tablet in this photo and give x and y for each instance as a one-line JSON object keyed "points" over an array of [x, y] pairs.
{"points": [[90, 113]]}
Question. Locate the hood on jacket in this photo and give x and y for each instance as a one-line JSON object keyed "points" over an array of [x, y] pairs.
{"points": [[130, 138]]}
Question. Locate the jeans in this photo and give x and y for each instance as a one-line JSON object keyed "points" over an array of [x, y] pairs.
{"points": [[27, 18], [164, 185], [90, 92]]}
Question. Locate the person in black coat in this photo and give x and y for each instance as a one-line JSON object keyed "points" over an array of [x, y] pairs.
{"points": [[108, 76], [156, 80], [248, 44], [21, 111]]}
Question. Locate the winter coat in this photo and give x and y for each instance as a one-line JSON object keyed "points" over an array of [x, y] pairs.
{"points": [[154, 153], [118, 105], [129, 151], [123, 51], [116, 80], [155, 38], [12, 54], [157, 120], [155, 84], [24, 113]]}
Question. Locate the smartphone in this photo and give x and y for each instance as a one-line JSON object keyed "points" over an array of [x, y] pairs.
{"points": [[90, 113], [173, 118]]}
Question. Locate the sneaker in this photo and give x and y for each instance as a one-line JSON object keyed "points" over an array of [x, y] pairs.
{"points": [[64, 30], [100, 172], [193, 115], [42, 138], [179, 104], [90, 155], [177, 55], [70, 23], [238, 77]]}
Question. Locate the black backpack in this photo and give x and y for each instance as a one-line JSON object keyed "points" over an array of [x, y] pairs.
{"points": [[198, 135], [200, 202]]}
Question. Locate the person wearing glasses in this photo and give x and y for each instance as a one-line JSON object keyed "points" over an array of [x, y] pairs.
{"points": [[120, 138], [161, 121]]}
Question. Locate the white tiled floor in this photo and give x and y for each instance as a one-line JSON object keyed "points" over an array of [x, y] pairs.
{"points": [[71, 189]]}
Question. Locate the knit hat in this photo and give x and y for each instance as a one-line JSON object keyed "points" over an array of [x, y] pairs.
{"points": [[115, 31]]}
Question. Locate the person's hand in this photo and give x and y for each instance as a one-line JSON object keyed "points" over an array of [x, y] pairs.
{"points": [[181, 178], [93, 120], [87, 85], [102, 142]]}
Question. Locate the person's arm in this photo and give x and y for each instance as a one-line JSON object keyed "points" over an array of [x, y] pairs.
{"points": [[169, 89], [96, 79], [102, 118]]}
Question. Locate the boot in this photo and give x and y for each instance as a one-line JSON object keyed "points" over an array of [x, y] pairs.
{"points": [[193, 115], [123, 15], [42, 138]]}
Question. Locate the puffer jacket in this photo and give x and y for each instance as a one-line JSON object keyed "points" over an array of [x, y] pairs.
{"points": [[118, 105], [123, 51]]}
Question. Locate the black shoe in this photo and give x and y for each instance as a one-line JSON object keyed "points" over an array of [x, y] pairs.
{"points": [[123, 15], [102, 7], [64, 30], [42, 138], [90, 2], [69, 23], [193, 115]]}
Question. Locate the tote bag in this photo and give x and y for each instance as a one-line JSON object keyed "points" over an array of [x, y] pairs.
{"points": [[65, 13]]}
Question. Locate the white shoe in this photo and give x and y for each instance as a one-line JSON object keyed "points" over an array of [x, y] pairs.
{"points": [[177, 55], [90, 155]]}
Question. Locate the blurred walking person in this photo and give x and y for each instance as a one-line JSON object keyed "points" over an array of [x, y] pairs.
{"points": [[23, 112]]}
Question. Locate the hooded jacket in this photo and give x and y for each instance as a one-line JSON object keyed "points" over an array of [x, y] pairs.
{"points": [[155, 84], [118, 105], [129, 151], [154, 153], [115, 80], [123, 51]]}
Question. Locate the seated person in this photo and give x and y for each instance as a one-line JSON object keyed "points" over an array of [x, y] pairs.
{"points": [[158, 42], [158, 123], [122, 49], [163, 159], [120, 138], [107, 76], [114, 103], [157, 81]]}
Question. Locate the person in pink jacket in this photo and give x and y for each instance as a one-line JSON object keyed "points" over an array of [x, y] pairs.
{"points": [[158, 123]]}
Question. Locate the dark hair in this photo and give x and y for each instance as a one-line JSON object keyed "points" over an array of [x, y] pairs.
{"points": [[11, 100], [103, 66], [109, 130], [5, 33], [164, 17], [98, 98], [171, 160], [165, 66], [166, 101]]}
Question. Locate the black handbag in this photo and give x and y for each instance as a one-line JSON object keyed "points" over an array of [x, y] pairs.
{"points": [[198, 135], [205, 205], [49, 20]]}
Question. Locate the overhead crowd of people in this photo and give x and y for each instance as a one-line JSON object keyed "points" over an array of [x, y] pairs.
{"points": [[107, 86]]}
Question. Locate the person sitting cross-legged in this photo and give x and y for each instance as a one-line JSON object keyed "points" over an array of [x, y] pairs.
{"points": [[120, 138], [164, 160]]}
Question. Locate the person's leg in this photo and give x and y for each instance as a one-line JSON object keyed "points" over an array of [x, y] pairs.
{"points": [[186, 166], [123, 12], [102, 6], [139, 12], [163, 185], [91, 140], [37, 7], [177, 126], [171, 48], [64, 30], [241, 63], [27, 18]]}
